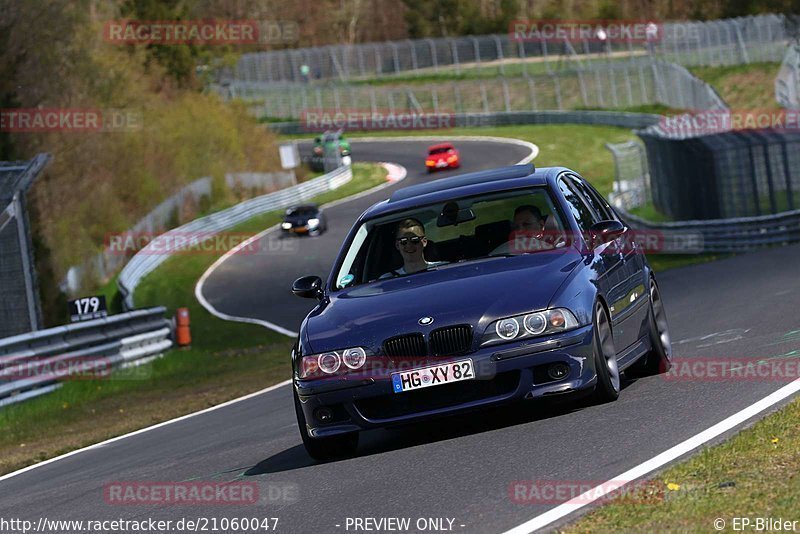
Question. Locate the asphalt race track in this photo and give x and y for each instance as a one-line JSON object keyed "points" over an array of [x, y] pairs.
{"points": [[263, 281], [458, 468]]}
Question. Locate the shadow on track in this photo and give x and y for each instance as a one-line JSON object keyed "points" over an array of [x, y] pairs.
{"points": [[439, 429]]}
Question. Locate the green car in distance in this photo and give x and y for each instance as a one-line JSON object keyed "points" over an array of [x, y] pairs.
{"points": [[326, 145]]}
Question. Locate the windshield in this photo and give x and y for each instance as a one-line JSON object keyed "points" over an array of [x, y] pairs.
{"points": [[300, 212], [503, 224], [440, 150]]}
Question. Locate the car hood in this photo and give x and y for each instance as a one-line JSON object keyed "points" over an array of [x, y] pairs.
{"points": [[475, 293]]}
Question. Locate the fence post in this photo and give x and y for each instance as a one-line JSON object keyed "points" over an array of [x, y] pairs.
{"points": [[454, 48], [477, 50], [434, 59], [499, 54], [413, 49], [395, 56], [532, 91]]}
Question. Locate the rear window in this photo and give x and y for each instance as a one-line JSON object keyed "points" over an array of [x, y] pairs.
{"points": [[440, 150]]}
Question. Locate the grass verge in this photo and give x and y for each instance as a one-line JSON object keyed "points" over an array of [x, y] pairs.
{"points": [[743, 87], [226, 360], [753, 474]]}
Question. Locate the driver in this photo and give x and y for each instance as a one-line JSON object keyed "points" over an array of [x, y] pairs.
{"points": [[410, 241], [529, 220]]}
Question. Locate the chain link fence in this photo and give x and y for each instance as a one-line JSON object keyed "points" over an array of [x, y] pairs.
{"points": [[630, 83], [19, 298], [721, 42]]}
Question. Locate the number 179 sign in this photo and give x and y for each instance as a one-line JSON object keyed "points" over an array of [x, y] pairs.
{"points": [[86, 308]]}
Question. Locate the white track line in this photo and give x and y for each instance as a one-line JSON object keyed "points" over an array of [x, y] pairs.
{"points": [[143, 430], [656, 462], [396, 173]]}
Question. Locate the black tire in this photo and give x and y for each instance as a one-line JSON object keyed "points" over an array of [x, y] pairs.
{"points": [[605, 358], [659, 358], [324, 449]]}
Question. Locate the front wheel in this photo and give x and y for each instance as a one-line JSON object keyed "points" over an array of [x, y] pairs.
{"points": [[324, 449], [659, 358], [605, 358]]}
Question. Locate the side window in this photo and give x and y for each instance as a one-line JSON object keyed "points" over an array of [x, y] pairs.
{"points": [[596, 201], [585, 216]]}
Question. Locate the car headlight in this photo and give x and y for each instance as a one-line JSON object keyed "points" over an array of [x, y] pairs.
{"points": [[332, 362], [286, 226], [529, 325], [313, 222]]}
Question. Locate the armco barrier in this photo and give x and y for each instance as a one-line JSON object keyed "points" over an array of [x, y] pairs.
{"points": [[741, 234], [35, 363], [149, 258], [621, 119]]}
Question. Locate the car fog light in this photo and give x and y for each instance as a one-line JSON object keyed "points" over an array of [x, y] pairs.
{"points": [[558, 371], [329, 362], [323, 415], [508, 328]]}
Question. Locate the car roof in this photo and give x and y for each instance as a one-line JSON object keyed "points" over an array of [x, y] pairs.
{"points": [[303, 207], [440, 145], [475, 183]]}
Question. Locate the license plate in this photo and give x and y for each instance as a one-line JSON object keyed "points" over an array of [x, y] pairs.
{"points": [[434, 375], [441, 164]]}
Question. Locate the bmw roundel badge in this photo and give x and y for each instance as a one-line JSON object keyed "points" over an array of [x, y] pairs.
{"points": [[424, 321]]}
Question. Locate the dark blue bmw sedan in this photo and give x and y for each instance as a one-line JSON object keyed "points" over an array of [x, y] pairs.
{"points": [[477, 290]]}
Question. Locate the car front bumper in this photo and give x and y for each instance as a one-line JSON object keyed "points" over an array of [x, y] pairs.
{"points": [[504, 373]]}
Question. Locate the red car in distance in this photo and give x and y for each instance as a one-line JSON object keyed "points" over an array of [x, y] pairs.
{"points": [[442, 156]]}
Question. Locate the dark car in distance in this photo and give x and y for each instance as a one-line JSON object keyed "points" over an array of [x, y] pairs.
{"points": [[305, 219], [532, 286]]}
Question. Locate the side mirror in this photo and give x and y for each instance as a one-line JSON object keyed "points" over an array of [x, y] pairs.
{"points": [[605, 231], [309, 287]]}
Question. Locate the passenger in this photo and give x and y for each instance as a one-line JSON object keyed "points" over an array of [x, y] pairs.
{"points": [[410, 240]]}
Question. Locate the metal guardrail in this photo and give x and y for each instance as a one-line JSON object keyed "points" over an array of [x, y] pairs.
{"points": [[622, 119], [742, 234], [162, 247], [36, 363]]}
